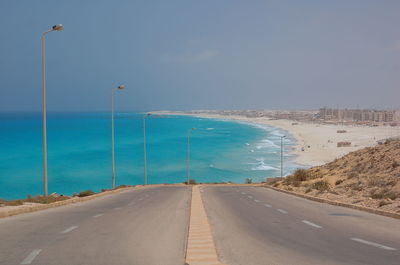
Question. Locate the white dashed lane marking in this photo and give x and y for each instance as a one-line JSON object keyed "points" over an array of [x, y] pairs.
{"points": [[117, 208], [256, 200], [98, 215], [244, 193], [372, 243], [31, 256], [69, 229], [282, 211], [267, 205], [311, 224]]}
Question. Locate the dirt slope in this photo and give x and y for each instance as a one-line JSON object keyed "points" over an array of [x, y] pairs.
{"points": [[368, 177]]}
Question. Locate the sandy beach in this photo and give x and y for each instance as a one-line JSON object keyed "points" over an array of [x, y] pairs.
{"points": [[317, 143]]}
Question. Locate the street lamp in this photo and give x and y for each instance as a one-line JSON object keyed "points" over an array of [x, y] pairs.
{"points": [[112, 132], [282, 154], [144, 148], [57, 27], [188, 159]]}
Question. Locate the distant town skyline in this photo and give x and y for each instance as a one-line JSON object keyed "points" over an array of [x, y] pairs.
{"points": [[184, 55]]}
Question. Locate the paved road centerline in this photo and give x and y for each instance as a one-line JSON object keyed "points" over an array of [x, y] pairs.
{"points": [[31, 256], [98, 215], [282, 211], [200, 245], [372, 243], [311, 224], [69, 229]]}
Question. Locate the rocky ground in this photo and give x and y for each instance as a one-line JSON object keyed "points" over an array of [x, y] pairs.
{"points": [[368, 177]]}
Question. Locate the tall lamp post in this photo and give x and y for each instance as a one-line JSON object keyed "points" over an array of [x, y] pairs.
{"points": [[282, 154], [112, 132], [145, 148], [57, 27], [188, 158]]}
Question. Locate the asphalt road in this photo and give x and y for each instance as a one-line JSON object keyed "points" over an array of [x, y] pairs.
{"points": [[137, 227], [259, 226]]}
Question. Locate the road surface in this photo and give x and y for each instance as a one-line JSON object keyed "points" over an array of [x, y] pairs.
{"points": [[259, 226], [136, 227]]}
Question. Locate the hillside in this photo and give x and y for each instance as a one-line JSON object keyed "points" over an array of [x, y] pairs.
{"points": [[367, 177]]}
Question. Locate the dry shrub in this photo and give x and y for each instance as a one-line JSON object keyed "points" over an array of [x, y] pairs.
{"points": [[273, 181], [352, 174], [86, 193], [383, 203], [321, 185], [299, 176], [339, 181]]}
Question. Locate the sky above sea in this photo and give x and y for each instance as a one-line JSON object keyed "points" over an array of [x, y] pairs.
{"points": [[183, 55]]}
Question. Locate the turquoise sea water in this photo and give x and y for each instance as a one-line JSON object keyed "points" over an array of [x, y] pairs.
{"points": [[79, 151]]}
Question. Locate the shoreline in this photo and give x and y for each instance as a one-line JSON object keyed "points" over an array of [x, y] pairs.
{"points": [[316, 144]]}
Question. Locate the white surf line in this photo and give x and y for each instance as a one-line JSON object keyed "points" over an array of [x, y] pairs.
{"points": [[267, 205], [69, 229], [372, 243], [98, 215], [31, 256], [282, 211], [311, 224]]}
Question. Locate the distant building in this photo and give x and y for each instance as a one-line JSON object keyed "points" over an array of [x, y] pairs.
{"points": [[358, 115]]}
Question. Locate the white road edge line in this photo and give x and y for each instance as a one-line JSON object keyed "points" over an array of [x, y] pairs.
{"points": [[69, 229], [31, 256], [268, 205], [372, 243], [98, 215], [282, 211], [311, 224]]}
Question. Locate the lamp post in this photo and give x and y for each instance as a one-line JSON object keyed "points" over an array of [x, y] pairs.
{"points": [[145, 148], [57, 27], [188, 158], [282, 154], [112, 132]]}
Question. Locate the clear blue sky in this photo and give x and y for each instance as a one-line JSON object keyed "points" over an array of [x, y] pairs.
{"points": [[209, 54]]}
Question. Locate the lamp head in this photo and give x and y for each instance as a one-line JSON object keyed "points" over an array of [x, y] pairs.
{"points": [[58, 27]]}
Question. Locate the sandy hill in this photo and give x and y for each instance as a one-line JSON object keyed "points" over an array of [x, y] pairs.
{"points": [[368, 177]]}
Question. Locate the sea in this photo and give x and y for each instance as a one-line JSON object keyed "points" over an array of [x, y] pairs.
{"points": [[79, 151]]}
